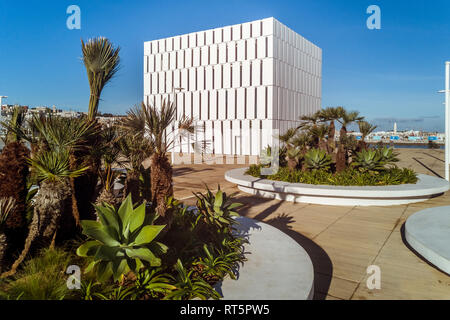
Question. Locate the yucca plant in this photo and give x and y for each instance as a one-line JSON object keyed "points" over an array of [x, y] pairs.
{"points": [[316, 159], [217, 209], [7, 205], [52, 202], [188, 288], [369, 160], [122, 241]]}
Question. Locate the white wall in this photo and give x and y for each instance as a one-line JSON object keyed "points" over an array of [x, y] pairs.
{"points": [[237, 80]]}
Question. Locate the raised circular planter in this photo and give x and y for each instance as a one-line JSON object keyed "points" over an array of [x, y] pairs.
{"points": [[428, 233], [426, 187], [277, 267]]}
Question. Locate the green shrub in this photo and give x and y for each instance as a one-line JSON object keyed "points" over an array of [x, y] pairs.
{"points": [[349, 177], [122, 241], [42, 278], [188, 287]]}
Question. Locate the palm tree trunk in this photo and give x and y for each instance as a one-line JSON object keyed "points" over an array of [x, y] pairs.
{"points": [[292, 164], [51, 202], [132, 186], [323, 145], [331, 135], [107, 196], [341, 159], [14, 171], [161, 187]]}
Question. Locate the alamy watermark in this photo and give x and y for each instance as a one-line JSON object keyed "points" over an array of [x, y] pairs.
{"points": [[74, 280], [374, 20], [74, 19], [374, 280]]}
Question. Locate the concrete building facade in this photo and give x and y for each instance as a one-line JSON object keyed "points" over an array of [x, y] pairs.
{"points": [[242, 83]]}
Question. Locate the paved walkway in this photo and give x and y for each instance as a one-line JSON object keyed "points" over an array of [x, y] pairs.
{"points": [[343, 241]]}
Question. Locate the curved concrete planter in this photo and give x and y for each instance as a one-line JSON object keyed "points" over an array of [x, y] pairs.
{"points": [[427, 187], [428, 232], [278, 268]]}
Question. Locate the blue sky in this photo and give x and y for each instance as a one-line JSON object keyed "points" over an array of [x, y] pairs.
{"points": [[392, 74]]}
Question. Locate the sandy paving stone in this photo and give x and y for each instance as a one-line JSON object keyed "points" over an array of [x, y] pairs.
{"points": [[343, 241]]}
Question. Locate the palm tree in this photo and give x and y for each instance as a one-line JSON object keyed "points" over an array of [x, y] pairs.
{"points": [[345, 120], [52, 202], [71, 135], [302, 142], [14, 170], [331, 114], [310, 122], [155, 124], [292, 154], [136, 150], [318, 134], [365, 128], [110, 155], [7, 205], [101, 60]]}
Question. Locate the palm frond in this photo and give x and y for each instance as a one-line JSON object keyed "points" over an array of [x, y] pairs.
{"points": [[53, 166], [101, 60]]}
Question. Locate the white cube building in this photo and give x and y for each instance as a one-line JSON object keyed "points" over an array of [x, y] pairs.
{"points": [[241, 83]]}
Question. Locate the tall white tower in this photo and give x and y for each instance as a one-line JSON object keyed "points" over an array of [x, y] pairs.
{"points": [[395, 127]]}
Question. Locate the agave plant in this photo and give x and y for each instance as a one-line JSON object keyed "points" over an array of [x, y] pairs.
{"points": [[217, 209], [188, 288], [369, 160], [316, 159], [122, 241], [388, 155], [7, 205]]}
